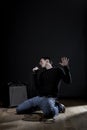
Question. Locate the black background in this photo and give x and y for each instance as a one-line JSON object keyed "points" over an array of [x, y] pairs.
{"points": [[35, 29]]}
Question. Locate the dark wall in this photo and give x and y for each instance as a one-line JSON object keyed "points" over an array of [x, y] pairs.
{"points": [[54, 29]]}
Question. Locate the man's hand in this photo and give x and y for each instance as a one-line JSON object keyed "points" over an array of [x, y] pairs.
{"points": [[34, 69], [48, 65], [64, 61]]}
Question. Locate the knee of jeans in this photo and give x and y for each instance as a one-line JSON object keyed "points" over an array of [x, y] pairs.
{"points": [[52, 113]]}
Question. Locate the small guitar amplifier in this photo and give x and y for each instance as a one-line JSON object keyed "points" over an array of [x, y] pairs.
{"points": [[17, 95]]}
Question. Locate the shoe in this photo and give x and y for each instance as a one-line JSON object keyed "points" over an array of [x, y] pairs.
{"points": [[61, 108]]}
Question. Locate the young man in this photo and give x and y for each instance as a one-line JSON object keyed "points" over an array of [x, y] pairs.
{"points": [[47, 78]]}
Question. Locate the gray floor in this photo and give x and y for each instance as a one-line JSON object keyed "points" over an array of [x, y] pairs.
{"points": [[75, 118]]}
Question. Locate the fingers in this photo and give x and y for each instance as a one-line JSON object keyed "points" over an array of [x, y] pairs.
{"points": [[64, 59]]}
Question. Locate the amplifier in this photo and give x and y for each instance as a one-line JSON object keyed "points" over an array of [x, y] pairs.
{"points": [[17, 95]]}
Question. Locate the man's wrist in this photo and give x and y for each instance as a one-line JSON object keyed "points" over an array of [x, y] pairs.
{"points": [[66, 67]]}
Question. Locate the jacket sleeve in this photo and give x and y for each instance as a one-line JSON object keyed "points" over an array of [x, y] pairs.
{"points": [[36, 78], [65, 74]]}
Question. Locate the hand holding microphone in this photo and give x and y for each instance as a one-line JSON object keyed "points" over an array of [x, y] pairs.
{"points": [[35, 69]]}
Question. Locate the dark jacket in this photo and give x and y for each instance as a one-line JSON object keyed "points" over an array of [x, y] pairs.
{"points": [[47, 81]]}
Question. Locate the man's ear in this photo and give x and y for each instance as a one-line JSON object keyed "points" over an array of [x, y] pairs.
{"points": [[47, 60]]}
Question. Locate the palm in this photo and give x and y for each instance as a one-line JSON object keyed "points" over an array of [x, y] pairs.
{"points": [[64, 61]]}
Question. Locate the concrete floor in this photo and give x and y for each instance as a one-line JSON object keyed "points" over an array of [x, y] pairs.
{"points": [[75, 118]]}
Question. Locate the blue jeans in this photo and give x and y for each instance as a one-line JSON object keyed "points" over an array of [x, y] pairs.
{"points": [[46, 104]]}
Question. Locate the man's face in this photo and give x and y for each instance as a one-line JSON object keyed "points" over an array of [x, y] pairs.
{"points": [[42, 63]]}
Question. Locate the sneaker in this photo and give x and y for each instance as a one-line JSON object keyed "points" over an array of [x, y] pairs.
{"points": [[61, 108]]}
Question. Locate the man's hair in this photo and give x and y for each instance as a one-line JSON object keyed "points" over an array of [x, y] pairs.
{"points": [[47, 58]]}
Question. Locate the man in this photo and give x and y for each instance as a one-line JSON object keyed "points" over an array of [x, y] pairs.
{"points": [[47, 78]]}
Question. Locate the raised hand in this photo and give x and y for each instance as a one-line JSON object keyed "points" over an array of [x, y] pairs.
{"points": [[64, 61]]}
